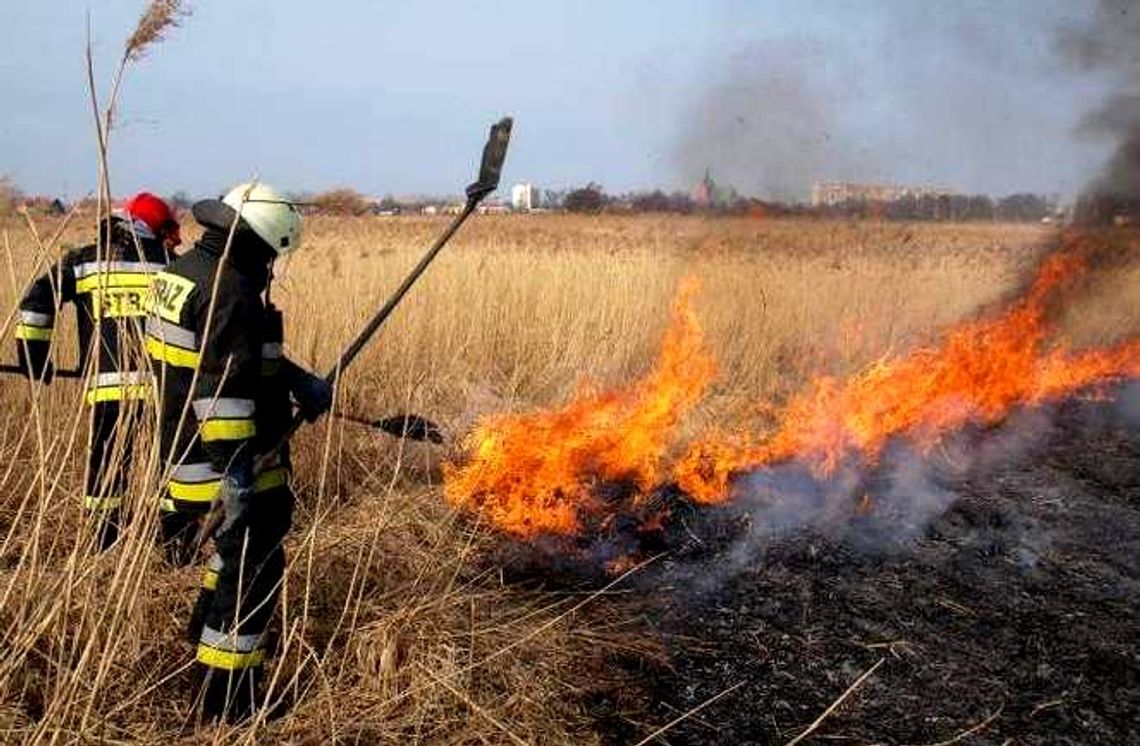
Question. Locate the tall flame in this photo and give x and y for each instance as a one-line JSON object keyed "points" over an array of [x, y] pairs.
{"points": [[548, 471], [979, 372], [540, 472]]}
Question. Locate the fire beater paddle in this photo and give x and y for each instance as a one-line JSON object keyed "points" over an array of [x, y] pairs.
{"points": [[409, 426], [490, 168]]}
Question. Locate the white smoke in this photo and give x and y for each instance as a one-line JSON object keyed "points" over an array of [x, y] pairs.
{"points": [[887, 508], [1128, 405]]}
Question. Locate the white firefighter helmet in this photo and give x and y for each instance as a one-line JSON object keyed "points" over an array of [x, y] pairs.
{"points": [[269, 213]]}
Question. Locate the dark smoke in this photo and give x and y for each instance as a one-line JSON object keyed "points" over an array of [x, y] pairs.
{"points": [[1109, 43], [767, 123]]}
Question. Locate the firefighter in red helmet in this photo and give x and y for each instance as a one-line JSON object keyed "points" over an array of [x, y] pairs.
{"points": [[108, 282]]}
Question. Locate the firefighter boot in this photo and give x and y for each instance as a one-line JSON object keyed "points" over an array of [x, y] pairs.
{"points": [[230, 696]]}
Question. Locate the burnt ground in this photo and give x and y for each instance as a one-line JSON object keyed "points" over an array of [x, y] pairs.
{"points": [[1011, 618]]}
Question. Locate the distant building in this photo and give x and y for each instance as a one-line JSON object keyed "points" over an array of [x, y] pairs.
{"points": [[525, 197], [704, 190], [836, 193], [707, 193], [492, 207]]}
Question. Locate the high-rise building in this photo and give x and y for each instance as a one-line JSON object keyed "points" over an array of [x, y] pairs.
{"points": [[524, 197]]}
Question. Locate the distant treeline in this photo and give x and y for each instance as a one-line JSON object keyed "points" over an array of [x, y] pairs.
{"points": [[593, 198], [1015, 207]]}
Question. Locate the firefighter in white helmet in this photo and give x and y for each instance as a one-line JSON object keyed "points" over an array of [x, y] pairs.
{"points": [[226, 396]]}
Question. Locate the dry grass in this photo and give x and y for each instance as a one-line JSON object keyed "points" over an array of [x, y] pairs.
{"points": [[522, 309], [392, 627]]}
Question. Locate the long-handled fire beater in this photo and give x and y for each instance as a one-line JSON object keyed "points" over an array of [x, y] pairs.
{"points": [[490, 168], [409, 426]]}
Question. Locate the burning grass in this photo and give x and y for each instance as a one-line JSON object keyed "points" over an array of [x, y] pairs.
{"points": [[393, 625], [539, 472], [546, 471]]}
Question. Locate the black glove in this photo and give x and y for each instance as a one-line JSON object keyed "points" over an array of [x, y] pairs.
{"points": [[33, 356], [313, 394]]}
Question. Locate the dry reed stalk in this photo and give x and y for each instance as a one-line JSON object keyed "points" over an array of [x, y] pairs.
{"points": [[690, 713], [380, 581], [835, 705], [157, 19], [977, 728]]}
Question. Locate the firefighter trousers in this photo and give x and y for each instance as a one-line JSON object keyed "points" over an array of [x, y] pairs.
{"points": [[237, 600], [108, 465], [178, 535]]}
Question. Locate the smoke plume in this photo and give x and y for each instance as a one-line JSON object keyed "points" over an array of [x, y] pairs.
{"points": [[885, 509], [1128, 406], [767, 123], [1109, 43]]}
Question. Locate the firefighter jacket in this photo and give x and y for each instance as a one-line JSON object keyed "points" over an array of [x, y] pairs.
{"points": [[109, 289], [217, 350]]}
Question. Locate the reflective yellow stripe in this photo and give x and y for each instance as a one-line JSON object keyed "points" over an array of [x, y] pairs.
{"points": [[229, 661], [118, 393], [94, 502], [197, 492], [236, 429], [26, 331], [204, 492], [113, 281], [171, 355], [210, 580], [267, 480]]}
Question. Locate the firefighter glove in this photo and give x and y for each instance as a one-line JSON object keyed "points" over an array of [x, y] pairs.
{"points": [[313, 394], [234, 494], [34, 362]]}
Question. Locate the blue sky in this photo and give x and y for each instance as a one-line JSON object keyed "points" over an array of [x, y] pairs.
{"points": [[394, 97]]}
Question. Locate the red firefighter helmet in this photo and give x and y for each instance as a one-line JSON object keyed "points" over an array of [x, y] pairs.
{"points": [[156, 214]]}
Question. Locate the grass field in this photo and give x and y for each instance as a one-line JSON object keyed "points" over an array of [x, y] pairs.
{"points": [[391, 628]]}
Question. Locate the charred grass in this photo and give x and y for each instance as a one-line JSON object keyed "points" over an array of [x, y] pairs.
{"points": [[1012, 618], [393, 625]]}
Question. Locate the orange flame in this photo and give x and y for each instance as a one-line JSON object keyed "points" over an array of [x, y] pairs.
{"points": [[979, 373], [539, 472], [547, 471]]}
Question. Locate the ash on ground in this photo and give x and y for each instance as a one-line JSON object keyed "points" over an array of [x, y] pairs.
{"points": [[664, 524], [1014, 617], [1000, 586]]}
